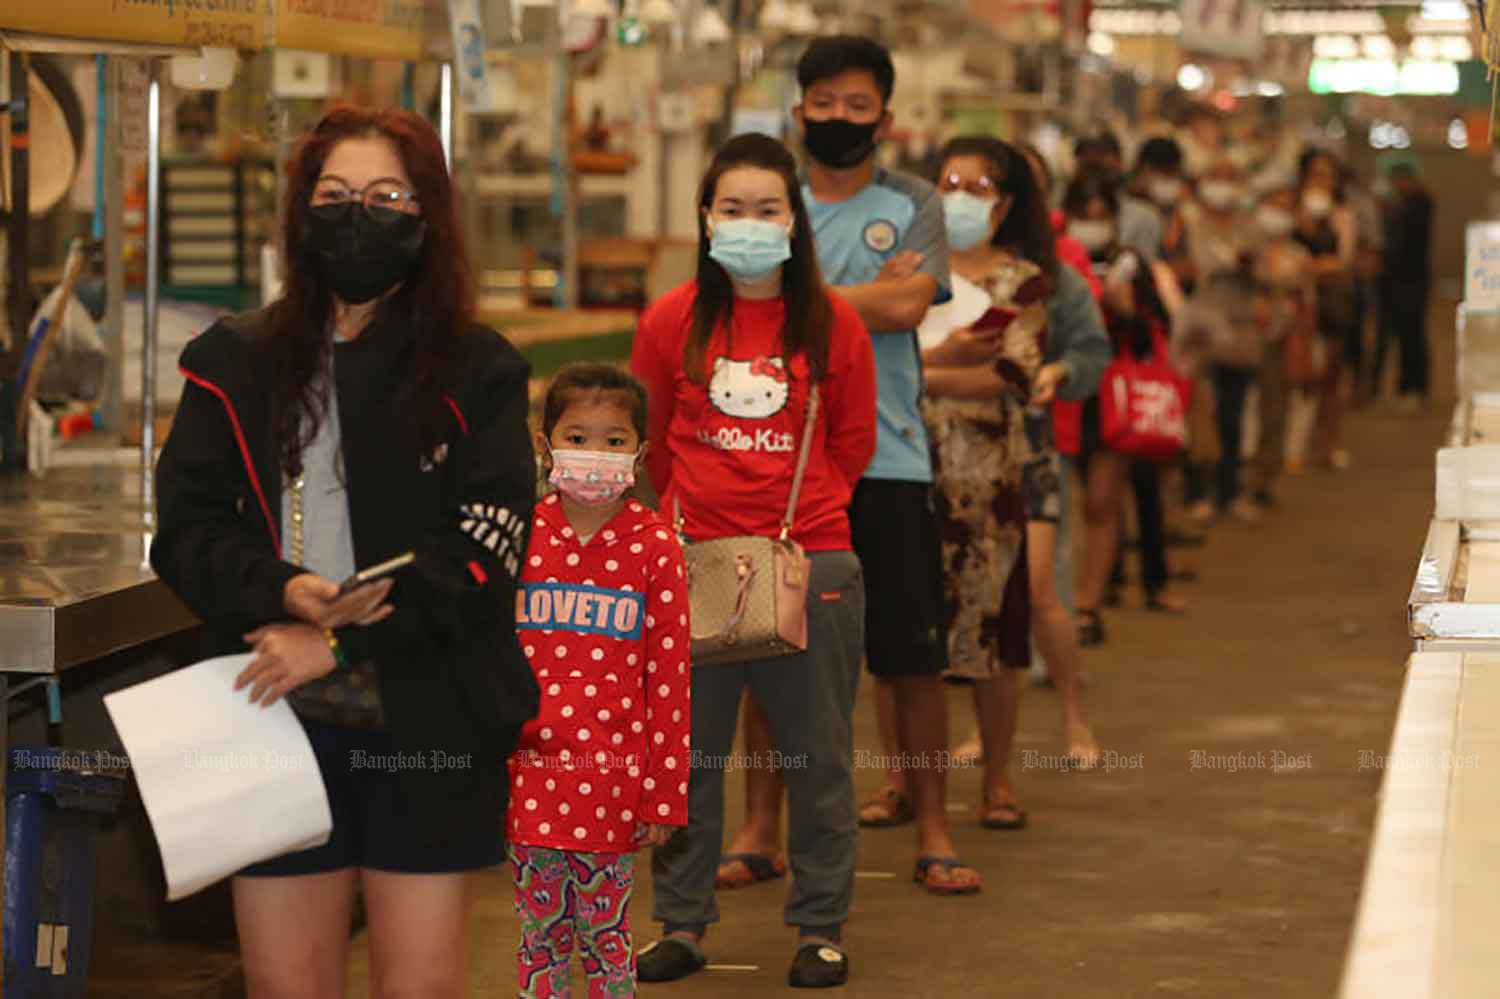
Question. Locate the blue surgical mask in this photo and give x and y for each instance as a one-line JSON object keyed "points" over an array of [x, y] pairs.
{"points": [[968, 219], [749, 249]]}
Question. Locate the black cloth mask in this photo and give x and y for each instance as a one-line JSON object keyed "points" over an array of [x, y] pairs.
{"points": [[839, 143], [363, 254]]}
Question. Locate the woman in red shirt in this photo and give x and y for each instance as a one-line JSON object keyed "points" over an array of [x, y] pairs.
{"points": [[730, 361]]}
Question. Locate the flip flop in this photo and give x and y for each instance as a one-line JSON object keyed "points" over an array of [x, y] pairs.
{"points": [[947, 865], [757, 867], [898, 810]]}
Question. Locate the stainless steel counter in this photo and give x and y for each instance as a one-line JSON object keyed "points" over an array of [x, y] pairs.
{"points": [[74, 581]]}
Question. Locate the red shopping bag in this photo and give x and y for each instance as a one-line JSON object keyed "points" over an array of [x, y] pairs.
{"points": [[1143, 404]]}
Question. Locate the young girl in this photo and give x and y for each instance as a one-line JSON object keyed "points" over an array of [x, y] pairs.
{"points": [[602, 615]]}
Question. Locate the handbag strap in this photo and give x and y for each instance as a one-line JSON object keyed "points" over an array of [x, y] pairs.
{"points": [[808, 426], [807, 435]]}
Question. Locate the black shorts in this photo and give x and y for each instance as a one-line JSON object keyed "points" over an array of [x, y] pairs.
{"points": [[1041, 476], [895, 530], [372, 827]]}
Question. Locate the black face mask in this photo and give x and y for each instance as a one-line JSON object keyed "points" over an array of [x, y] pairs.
{"points": [[839, 143], [362, 253]]}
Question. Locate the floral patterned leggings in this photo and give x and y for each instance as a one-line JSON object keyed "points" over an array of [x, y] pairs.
{"points": [[562, 896]]}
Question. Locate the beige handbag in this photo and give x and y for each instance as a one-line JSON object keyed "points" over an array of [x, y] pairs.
{"points": [[748, 594]]}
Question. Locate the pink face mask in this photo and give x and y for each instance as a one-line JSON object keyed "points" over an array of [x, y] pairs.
{"points": [[593, 478]]}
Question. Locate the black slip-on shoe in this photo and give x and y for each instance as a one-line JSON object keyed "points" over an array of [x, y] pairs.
{"points": [[818, 966], [669, 959]]}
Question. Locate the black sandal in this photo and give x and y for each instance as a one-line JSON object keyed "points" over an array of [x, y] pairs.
{"points": [[818, 966], [668, 959], [1090, 627]]}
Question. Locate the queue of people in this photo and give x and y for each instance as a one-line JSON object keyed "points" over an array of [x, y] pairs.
{"points": [[910, 381]]}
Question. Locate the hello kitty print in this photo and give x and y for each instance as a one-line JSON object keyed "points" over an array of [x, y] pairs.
{"points": [[756, 390], [750, 390]]}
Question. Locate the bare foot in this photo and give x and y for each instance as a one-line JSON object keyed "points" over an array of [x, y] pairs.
{"points": [[946, 876], [889, 807], [754, 842], [1001, 810], [1083, 750], [969, 751]]}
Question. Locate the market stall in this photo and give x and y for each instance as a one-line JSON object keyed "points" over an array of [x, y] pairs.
{"points": [[81, 589], [1428, 891]]}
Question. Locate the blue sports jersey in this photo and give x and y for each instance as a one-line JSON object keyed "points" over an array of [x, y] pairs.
{"points": [[855, 238]]}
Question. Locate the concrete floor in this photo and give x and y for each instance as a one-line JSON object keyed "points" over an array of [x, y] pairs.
{"points": [[1161, 878]]}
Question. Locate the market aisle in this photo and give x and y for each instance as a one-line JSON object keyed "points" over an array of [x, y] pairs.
{"points": [[1156, 878]]}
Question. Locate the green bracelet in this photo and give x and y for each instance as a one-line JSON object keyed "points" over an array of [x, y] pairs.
{"points": [[340, 661]]}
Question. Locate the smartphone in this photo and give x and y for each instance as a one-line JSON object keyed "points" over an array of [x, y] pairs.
{"points": [[376, 572], [993, 322]]}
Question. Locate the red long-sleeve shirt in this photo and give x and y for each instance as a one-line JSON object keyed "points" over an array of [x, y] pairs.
{"points": [[727, 449], [1075, 254], [605, 626]]}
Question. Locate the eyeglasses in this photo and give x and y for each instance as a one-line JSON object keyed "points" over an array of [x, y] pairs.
{"points": [[980, 187], [385, 200]]}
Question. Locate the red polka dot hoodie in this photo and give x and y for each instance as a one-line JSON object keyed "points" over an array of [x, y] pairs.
{"points": [[605, 627]]}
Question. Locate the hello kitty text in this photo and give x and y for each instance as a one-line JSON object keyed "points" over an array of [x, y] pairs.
{"points": [[735, 439]]}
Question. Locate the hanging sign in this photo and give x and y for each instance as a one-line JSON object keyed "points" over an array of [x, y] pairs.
{"points": [[236, 24], [468, 55], [1482, 268], [372, 29], [1228, 28]]}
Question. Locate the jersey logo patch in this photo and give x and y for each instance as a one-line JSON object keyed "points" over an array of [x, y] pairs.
{"points": [[880, 236], [586, 610]]}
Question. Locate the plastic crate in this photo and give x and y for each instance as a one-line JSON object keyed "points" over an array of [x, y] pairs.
{"points": [[55, 806]]}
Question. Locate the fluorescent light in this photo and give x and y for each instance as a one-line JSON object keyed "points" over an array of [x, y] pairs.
{"points": [[1191, 77], [1445, 10], [1458, 134], [1378, 47], [1382, 76], [1135, 22], [1323, 22], [1335, 47], [1101, 44], [1456, 48]]}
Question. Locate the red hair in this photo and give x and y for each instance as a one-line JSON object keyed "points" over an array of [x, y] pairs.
{"points": [[436, 299]]}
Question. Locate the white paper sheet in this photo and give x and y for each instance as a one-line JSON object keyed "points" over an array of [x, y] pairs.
{"points": [[225, 783]]}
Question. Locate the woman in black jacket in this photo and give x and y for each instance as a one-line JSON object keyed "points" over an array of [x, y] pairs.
{"points": [[362, 415]]}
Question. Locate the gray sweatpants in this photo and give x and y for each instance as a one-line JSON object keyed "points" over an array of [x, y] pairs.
{"points": [[809, 700]]}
